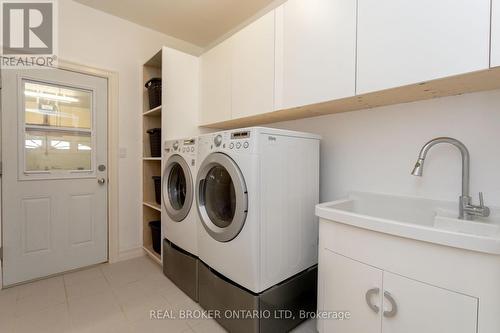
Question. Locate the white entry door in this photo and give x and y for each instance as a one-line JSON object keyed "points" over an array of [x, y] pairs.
{"points": [[54, 182]]}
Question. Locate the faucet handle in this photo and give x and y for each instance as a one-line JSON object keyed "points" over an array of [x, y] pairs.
{"points": [[472, 210], [483, 210], [481, 200]]}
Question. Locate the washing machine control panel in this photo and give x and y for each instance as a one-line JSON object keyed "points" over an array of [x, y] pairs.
{"points": [[187, 146]]}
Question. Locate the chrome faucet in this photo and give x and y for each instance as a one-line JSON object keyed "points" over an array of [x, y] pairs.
{"points": [[466, 209]]}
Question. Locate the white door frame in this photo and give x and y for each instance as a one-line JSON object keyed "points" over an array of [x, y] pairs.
{"points": [[112, 79]]}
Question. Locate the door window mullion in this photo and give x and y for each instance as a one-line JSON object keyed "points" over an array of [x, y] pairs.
{"points": [[57, 129]]}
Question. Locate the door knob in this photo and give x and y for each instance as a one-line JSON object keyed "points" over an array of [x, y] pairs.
{"points": [[101, 181]]}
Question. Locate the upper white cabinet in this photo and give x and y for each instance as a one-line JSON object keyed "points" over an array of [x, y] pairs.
{"points": [[312, 51], [495, 33], [216, 83], [402, 42], [253, 68], [315, 51], [181, 91]]}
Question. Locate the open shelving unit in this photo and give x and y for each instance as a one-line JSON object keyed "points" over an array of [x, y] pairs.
{"points": [[156, 112], [151, 166]]}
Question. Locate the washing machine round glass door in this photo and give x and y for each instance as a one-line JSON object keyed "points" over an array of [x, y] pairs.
{"points": [[177, 188], [222, 197]]}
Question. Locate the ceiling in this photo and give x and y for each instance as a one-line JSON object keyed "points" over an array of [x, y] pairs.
{"points": [[199, 22]]}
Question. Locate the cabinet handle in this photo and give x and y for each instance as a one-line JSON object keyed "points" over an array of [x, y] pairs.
{"points": [[368, 296], [394, 306]]}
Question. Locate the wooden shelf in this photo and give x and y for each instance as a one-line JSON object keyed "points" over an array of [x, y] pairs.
{"points": [[455, 85], [151, 166], [149, 213], [156, 112], [152, 205], [150, 252]]}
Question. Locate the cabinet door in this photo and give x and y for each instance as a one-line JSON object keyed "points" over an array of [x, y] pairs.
{"points": [[315, 51], [180, 116], [216, 83], [495, 33], [253, 68], [402, 42], [343, 284], [425, 308]]}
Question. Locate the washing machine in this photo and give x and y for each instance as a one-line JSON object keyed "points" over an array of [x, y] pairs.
{"points": [[256, 189], [179, 215]]}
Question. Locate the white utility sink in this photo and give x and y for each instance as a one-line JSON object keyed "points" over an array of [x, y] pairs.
{"points": [[416, 218]]}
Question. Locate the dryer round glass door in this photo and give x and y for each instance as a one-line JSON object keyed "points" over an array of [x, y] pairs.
{"points": [[177, 188], [221, 197]]}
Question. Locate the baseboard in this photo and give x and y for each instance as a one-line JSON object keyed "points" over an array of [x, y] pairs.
{"points": [[1, 275], [129, 254]]}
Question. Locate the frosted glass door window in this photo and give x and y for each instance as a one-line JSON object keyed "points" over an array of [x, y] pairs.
{"points": [[58, 128], [49, 105], [57, 150]]}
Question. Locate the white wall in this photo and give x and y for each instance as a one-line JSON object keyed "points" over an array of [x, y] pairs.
{"points": [[375, 150], [93, 38], [371, 150]]}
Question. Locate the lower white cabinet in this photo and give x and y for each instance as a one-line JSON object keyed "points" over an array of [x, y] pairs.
{"points": [[421, 307], [343, 284], [380, 301]]}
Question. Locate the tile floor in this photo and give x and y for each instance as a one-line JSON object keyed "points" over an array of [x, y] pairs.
{"points": [[107, 298]]}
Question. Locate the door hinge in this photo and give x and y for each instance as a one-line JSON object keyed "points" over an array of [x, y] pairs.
{"points": [[1, 253]]}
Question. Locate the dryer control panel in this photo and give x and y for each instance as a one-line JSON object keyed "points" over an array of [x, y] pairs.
{"points": [[234, 141], [241, 141]]}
